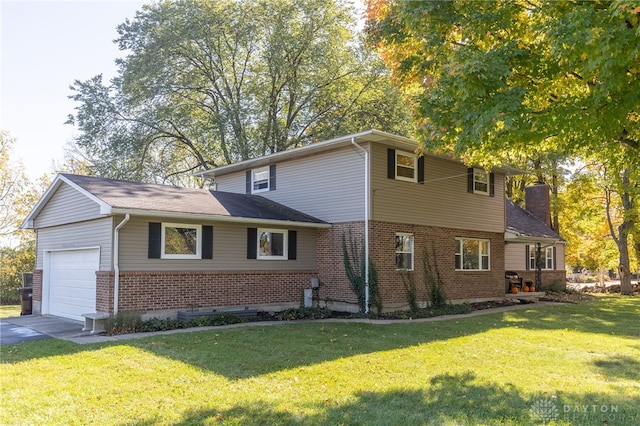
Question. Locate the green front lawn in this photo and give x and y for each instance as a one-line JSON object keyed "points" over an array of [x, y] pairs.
{"points": [[564, 364]]}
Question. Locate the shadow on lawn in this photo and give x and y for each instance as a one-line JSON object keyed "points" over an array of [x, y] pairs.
{"points": [[253, 351], [619, 367], [449, 399]]}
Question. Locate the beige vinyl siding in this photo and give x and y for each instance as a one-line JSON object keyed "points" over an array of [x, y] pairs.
{"points": [[229, 250], [94, 233], [328, 185], [515, 257], [442, 201], [516, 260], [66, 205]]}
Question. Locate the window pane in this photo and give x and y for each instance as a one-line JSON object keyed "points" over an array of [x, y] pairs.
{"points": [[265, 244], [485, 262], [271, 244], [405, 160], [261, 179], [180, 240], [403, 261], [277, 244], [471, 254], [404, 251], [405, 165]]}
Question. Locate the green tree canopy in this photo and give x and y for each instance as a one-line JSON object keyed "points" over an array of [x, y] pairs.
{"points": [[208, 83], [498, 80]]}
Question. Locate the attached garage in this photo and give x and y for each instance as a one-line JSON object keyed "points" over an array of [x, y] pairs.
{"points": [[69, 282]]}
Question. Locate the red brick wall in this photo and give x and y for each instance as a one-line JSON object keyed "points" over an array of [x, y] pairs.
{"points": [[37, 285], [334, 285], [459, 285], [104, 291], [174, 290]]}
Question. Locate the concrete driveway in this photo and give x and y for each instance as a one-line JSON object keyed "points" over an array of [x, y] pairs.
{"points": [[29, 328]]}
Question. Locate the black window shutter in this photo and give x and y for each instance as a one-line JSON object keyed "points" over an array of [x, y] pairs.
{"points": [[207, 242], [470, 179], [527, 253], [272, 177], [252, 243], [248, 182], [421, 170], [554, 258], [391, 163], [492, 184], [155, 240], [293, 245]]}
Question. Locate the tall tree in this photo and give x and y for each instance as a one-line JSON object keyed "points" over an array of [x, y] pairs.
{"points": [[208, 83], [496, 81]]}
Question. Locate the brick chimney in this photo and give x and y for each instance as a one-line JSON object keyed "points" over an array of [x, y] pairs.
{"points": [[538, 202]]}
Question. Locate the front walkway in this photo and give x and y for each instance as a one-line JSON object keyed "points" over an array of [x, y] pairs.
{"points": [[65, 329]]}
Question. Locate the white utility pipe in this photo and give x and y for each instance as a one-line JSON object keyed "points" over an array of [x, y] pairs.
{"points": [[116, 262], [366, 224]]}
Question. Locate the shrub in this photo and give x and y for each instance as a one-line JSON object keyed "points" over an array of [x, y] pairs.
{"points": [[303, 313], [123, 323]]}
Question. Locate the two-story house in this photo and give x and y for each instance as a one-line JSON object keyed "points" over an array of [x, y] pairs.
{"points": [[273, 226]]}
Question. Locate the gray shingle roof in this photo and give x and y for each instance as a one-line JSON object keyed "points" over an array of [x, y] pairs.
{"points": [[138, 196], [526, 224]]}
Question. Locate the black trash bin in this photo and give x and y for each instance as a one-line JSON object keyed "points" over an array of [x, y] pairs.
{"points": [[26, 298]]}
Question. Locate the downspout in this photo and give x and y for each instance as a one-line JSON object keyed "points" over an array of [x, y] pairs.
{"points": [[116, 262], [366, 224]]}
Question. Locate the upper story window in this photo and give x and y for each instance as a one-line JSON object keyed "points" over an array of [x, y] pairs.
{"points": [[546, 257], [406, 166], [472, 255], [181, 241], [404, 251], [403, 165], [261, 179], [480, 182]]}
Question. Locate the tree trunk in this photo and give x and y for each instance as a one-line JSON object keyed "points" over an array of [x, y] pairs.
{"points": [[625, 274]]}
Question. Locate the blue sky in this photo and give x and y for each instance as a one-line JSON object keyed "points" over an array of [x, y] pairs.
{"points": [[46, 46]]}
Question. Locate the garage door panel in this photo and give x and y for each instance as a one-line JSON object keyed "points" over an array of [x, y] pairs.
{"points": [[72, 282]]}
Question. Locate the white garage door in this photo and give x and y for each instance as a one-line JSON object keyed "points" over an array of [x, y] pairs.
{"points": [[72, 282]]}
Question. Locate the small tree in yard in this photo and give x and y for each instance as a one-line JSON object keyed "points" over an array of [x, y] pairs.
{"points": [[354, 267]]}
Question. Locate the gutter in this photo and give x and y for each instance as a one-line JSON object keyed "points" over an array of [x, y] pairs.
{"points": [[219, 218], [116, 262], [366, 224]]}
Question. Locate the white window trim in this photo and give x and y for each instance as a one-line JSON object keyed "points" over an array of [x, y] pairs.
{"points": [[285, 244], [547, 256], [488, 183], [253, 179], [415, 166], [407, 234], [480, 256], [197, 255]]}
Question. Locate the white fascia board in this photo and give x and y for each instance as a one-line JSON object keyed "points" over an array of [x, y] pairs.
{"points": [[105, 208], [513, 236], [217, 218], [369, 135]]}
